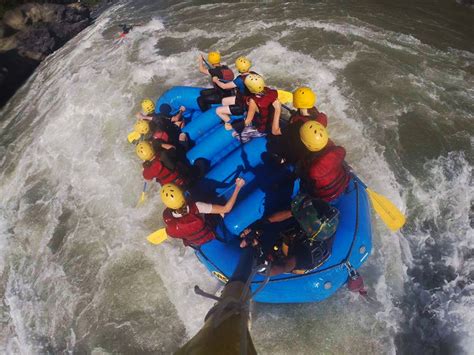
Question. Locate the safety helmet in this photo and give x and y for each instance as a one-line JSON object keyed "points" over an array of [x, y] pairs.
{"points": [[304, 97], [142, 127], [165, 109], [145, 151], [314, 136], [254, 83], [214, 58], [148, 106], [243, 64], [172, 196]]}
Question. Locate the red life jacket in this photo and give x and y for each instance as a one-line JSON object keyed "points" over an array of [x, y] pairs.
{"points": [[326, 173], [263, 121], [161, 135], [223, 72], [314, 115], [157, 170], [191, 228]]}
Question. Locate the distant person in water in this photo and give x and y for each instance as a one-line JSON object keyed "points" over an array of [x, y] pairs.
{"points": [[124, 30], [215, 69]]}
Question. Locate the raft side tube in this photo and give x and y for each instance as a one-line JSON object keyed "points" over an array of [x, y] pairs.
{"points": [[215, 147], [180, 96]]}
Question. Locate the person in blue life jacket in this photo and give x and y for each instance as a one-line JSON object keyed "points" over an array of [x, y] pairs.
{"points": [[296, 240], [219, 71], [237, 104]]}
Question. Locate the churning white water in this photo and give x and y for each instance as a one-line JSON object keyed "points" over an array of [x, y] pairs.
{"points": [[77, 274]]}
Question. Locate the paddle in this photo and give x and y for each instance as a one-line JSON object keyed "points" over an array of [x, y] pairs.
{"points": [[158, 237], [133, 136], [205, 62], [393, 218], [142, 196], [285, 97], [387, 211]]}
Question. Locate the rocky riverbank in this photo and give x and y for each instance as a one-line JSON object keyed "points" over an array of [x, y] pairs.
{"points": [[29, 33]]}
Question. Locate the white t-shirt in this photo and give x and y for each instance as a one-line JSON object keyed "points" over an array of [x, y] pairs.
{"points": [[203, 207]]}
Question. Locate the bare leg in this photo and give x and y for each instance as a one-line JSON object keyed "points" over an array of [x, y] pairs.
{"points": [[183, 137], [224, 113], [227, 101]]}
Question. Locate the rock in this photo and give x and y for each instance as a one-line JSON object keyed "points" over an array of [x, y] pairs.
{"points": [[64, 31], [15, 19], [8, 43], [31, 32], [36, 43], [14, 70]]}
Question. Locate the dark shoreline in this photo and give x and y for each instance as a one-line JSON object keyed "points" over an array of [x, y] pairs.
{"points": [[32, 31]]}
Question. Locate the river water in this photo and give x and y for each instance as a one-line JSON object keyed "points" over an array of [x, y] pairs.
{"points": [[396, 80]]}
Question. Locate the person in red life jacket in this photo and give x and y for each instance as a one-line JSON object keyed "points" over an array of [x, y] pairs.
{"points": [[286, 144], [264, 110], [186, 219], [160, 167], [324, 173], [177, 119], [168, 126], [235, 105], [125, 29], [215, 70]]}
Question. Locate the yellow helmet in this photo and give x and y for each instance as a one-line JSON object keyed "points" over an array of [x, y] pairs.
{"points": [[172, 196], [142, 127], [304, 97], [145, 151], [314, 136], [243, 64], [214, 58], [254, 83], [148, 106]]}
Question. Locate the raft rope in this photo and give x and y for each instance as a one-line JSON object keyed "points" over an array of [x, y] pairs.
{"points": [[345, 263]]}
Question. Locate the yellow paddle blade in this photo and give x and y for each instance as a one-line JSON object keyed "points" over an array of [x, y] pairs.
{"points": [[142, 198], [388, 212], [133, 136], [285, 97], [157, 237]]}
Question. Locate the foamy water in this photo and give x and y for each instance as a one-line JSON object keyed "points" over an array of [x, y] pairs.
{"points": [[77, 272]]}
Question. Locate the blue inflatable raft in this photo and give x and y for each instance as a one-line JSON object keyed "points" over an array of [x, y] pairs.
{"points": [[268, 189]]}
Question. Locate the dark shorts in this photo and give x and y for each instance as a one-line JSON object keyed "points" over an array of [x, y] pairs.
{"points": [[236, 110]]}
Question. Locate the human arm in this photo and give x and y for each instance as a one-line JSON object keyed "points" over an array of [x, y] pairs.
{"points": [[279, 216], [142, 116], [179, 115], [288, 266], [202, 68], [222, 209], [224, 86], [276, 118], [251, 112]]}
